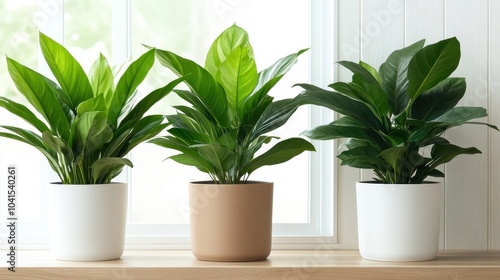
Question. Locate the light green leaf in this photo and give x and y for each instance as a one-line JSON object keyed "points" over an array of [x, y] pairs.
{"points": [[23, 112], [238, 75], [102, 79], [40, 95], [68, 72], [128, 83], [224, 45]]}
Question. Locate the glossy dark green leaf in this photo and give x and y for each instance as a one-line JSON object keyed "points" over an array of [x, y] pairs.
{"points": [[104, 167], [431, 65], [393, 73], [439, 99], [443, 153]]}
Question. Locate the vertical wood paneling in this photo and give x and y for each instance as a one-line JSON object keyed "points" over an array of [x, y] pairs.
{"points": [[430, 28], [494, 87], [472, 185], [382, 31], [348, 42], [467, 176]]}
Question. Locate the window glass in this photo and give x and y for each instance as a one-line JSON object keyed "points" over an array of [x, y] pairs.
{"points": [[159, 189]]}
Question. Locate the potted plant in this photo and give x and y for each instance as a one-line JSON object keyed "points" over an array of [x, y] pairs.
{"points": [[85, 128], [394, 120], [220, 133]]}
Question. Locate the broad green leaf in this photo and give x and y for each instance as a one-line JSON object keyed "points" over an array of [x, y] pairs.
{"points": [[40, 95], [206, 125], [104, 167], [68, 72], [23, 112], [338, 103], [92, 105], [431, 65], [223, 46], [333, 131], [238, 75], [102, 79], [279, 153], [460, 115], [128, 83], [394, 72], [439, 99], [443, 153], [201, 82]]}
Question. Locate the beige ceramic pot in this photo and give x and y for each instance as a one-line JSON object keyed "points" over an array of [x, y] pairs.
{"points": [[231, 222]]}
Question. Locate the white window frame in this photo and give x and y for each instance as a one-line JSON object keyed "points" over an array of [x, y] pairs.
{"points": [[322, 225]]}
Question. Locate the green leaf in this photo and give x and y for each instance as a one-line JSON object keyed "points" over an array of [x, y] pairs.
{"points": [[394, 72], [223, 46], [439, 99], [209, 93], [189, 155], [431, 65], [238, 75], [460, 115], [338, 103], [102, 79], [370, 94], [274, 116], [394, 156], [443, 153], [92, 131], [128, 83], [365, 157], [279, 153], [372, 71], [103, 168], [92, 105], [217, 155], [151, 99], [360, 70], [23, 112], [68, 72], [40, 95]]}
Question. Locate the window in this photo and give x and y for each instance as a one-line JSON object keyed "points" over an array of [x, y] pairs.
{"points": [[158, 209]]}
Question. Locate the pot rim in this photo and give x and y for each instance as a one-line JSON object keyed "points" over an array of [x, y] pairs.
{"points": [[248, 183], [409, 184], [87, 185]]}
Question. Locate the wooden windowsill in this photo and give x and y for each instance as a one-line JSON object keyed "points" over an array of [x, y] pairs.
{"points": [[282, 264]]}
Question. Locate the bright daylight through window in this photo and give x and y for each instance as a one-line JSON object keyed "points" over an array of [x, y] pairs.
{"points": [[158, 196]]}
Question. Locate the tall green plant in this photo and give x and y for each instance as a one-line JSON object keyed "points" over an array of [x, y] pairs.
{"points": [[86, 124], [389, 115], [230, 112]]}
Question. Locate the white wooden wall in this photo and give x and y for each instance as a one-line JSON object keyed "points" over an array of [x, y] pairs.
{"points": [[370, 30]]}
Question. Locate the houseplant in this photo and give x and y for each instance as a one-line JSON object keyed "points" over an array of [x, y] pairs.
{"points": [[85, 128], [391, 118], [219, 134]]}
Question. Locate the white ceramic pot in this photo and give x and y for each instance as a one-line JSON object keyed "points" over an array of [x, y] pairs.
{"points": [[231, 222], [398, 222], [87, 222]]}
